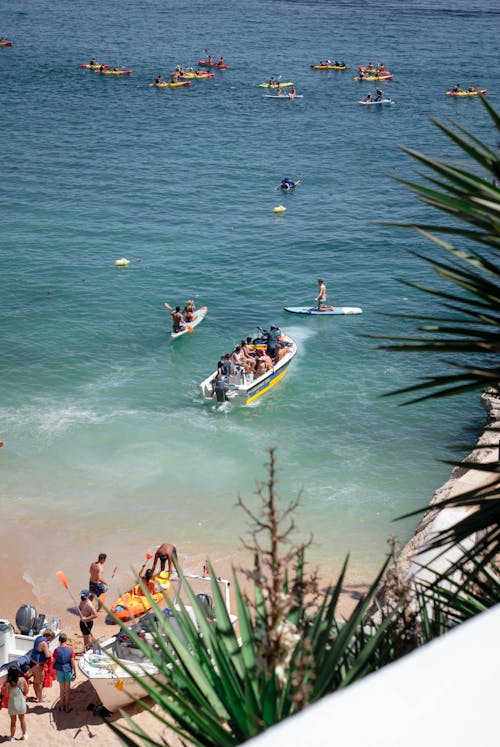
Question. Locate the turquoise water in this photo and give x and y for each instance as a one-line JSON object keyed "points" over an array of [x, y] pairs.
{"points": [[108, 445]]}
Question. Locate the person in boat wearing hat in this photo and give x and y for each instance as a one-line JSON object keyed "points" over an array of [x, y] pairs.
{"points": [[88, 614]]}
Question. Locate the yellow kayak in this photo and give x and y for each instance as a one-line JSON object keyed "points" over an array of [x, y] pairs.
{"points": [[197, 76], [275, 85], [134, 604], [467, 93], [328, 67], [114, 72], [171, 85]]}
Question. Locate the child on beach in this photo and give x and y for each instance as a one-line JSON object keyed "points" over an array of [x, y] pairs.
{"points": [[16, 689]]}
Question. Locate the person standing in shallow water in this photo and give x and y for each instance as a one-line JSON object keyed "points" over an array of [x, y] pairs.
{"points": [[97, 584], [16, 688], [165, 552]]}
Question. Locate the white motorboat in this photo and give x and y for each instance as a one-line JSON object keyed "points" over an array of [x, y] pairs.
{"points": [[244, 388], [107, 664], [15, 648]]}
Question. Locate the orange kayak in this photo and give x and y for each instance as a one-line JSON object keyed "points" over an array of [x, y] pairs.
{"points": [[134, 604]]}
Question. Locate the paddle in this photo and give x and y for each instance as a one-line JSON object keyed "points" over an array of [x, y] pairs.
{"points": [[148, 557], [187, 326], [64, 581]]}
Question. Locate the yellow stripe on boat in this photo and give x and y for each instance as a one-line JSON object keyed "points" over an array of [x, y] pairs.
{"points": [[269, 386]]}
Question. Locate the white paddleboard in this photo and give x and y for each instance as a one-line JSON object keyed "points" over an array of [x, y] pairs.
{"points": [[200, 314], [382, 101], [313, 310]]}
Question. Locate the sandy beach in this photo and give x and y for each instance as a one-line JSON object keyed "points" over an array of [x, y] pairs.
{"points": [[49, 727]]}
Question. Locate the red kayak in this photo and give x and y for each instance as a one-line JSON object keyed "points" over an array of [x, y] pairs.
{"points": [[5, 43], [220, 65]]}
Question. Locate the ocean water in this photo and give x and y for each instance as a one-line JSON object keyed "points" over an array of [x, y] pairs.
{"points": [[107, 444]]}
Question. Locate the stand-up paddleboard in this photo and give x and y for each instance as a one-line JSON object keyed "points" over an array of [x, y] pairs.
{"points": [[382, 101], [199, 316], [313, 310]]}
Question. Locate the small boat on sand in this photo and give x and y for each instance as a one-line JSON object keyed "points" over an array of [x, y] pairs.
{"points": [[244, 388], [108, 666], [15, 648], [134, 604]]}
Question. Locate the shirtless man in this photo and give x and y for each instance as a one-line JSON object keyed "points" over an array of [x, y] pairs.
{"points": [[165, 553], [177, 319], [88, 614], [321, 297], [97, 584]]}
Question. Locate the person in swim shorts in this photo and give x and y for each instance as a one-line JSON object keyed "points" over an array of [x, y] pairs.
{"points": [[165, 553], [88, 614], [97, 584]]}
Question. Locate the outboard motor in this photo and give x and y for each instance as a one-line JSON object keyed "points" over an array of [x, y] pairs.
{"points": [[25, 619], [221, 387], [7, 641], [207, 605]]}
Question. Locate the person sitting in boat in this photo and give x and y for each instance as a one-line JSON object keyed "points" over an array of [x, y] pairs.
{"points": [[328, 63], [93, 62], [209, 59], [159, 79], [272, 82], [220, 61], [368, 97], [264, 364], [342, 63], [175, 77], [380, 94], [237, 357], [361, 75], [148, 581], [472, 89], [102, 68], [188, 311], [456, 88], [177, 320]]}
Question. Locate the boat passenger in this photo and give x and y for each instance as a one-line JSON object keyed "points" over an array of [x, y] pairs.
{"points": [[342, 63], [102, 68], [220, 61], [273, 337], [264, 364], [380, 94], [472, 89], [328, 63], [456, 88], [148, 581], [361, 75], [159, 79], [337, 63], [116, 69], [93, 62], [209, 59], [272, 82], [368, 97], [177, 320]]}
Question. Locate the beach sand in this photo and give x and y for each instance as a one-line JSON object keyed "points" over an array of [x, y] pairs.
{"points": [[46, 725]]}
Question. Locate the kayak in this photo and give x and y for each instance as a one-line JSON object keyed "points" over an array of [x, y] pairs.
{"points": [[374, 77], [382, 101], [313, 310], [467, 93], [283, 96], [5, 44], [373, 70], [171, 85], [185, 76], [114, 72], [199, 316], [328, 67], [95, 67], [134, 604], [275, 85], [206, 63]]}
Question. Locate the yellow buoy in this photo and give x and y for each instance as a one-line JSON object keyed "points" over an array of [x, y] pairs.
{"points": [[122, 262], [280, 209]]}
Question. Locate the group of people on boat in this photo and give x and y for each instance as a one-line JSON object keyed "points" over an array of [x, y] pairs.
{"points": [[329, 63], [457, 89]]}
